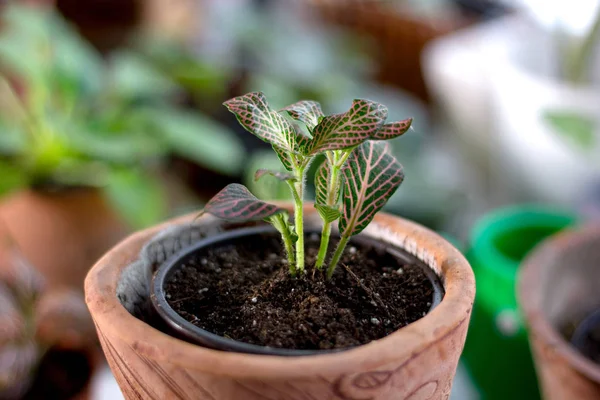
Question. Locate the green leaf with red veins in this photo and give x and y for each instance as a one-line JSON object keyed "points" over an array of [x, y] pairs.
{"points": [[285, 158], [340, 131], [235, 203], [253, 113], [327, 213], [392, 130], [371, 177], [322, 177], [307, 111], [282, 176]]}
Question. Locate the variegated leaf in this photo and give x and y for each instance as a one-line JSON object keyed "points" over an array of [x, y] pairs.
{"points": [[282, 176], [285, 158], [235, 203], [253, 113], [340, 131], [392, 130], [327, 213], [321, 182], [372, 175], [307, 111]]}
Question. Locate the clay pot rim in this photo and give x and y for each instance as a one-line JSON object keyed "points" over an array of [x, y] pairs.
{"points": [[454, 311], [528, 296]]}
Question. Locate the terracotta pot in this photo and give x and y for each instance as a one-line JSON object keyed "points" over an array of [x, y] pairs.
{"points": [[558, 287], [62, 234], [416, 362], [390, 29]]}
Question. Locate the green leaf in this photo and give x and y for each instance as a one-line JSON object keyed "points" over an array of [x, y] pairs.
{"points": [[282, 176], [11, 178], [328, 213], [201, 140], [322, 177], [235, 203], [372, 175], [281, 223], [306, 111], [137, 196], [132, 77], [122, 147], [575, 128], [341, 131], [12, 140], [285, 158], [392, 130], [253, 113]]}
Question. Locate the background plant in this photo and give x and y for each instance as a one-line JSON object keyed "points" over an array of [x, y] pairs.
{"points": [[69, 118], [354, 182], [35, 320]]}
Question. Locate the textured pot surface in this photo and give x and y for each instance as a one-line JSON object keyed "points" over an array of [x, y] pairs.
{"points": [[558, 285], [60, 234], [416, 362]]}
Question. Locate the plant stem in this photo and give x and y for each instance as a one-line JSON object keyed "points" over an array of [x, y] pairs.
{"points": [[337, 255], [299, 218], [332, 195], [281, 224], [325, 233]]}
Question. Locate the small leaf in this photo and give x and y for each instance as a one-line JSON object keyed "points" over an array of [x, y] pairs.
{"points": [[392, 130], [235, 203], [282, 176], [322, 177], [372, 175], [285, 158], [306, 111], [340, 131], [576, 128], [253, 113], [327, 213]]}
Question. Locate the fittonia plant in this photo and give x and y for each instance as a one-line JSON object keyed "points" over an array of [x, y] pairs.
{"points": [[354, 182]]}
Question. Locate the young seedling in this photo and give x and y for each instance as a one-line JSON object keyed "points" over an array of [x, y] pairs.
{"points": [[354, 182]]}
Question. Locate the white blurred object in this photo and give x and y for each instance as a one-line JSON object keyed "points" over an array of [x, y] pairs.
{"points": [[104, 386], [493, 82]]}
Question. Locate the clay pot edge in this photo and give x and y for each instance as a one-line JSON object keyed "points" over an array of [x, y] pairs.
{"points": [[450, 315], [528, 298]]}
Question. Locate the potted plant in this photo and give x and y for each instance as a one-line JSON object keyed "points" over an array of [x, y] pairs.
{"points": [[558, 296], [81, 138], [48, 348], [368, 310]]}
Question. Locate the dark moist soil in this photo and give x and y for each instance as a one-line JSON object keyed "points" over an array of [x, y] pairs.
{"points": [[245, 292]]}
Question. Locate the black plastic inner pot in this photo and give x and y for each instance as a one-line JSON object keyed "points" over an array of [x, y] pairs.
{"points": [[586, 337], [182, 328]]}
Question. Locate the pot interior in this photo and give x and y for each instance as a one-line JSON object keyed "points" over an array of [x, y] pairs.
{"points": [[181, 327], [569, 284]]}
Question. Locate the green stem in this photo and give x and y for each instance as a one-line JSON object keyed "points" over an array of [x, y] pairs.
{"points": [[332, 195], [337, 255], [281, 224], [299, 218], [325, 233]]}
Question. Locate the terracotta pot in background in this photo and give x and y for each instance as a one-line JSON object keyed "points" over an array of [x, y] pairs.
{"points": [[558, 287], [416, 362], [399, 36], [62, 234]]}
